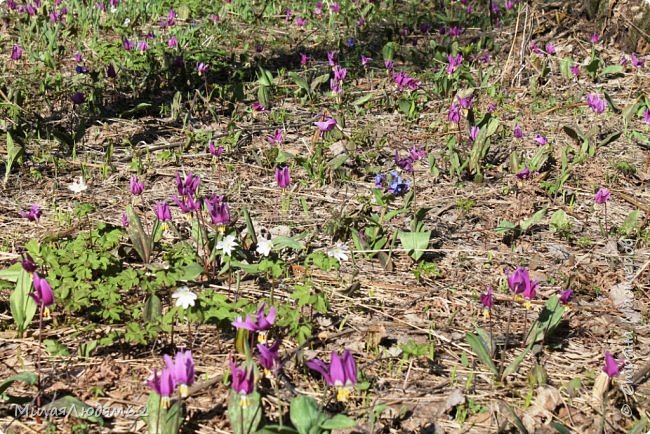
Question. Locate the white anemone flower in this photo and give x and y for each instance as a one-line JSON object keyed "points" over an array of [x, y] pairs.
{"points": [[339, 251], [184, 297], [264, 246], [78, 186], [227, 245]]}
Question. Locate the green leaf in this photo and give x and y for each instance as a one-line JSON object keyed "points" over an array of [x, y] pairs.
{"points": [[363, 99], [249, 224], [25, 377], [613, 106], [560, 428], [276, 429], [515, 419], [559, 221], [514, 365], [610, 138], [339, 421], [23, 307], [415, 242], [139, 238], [319, 81], [611, 70], [506, 226], [300, 82], [74, 407], [152, 308], [532, 220], [304, 414], [55, 348], [575, 133], [481, 351], [191, 271], [281, 242], [12, 273], [246, 416], [338, 161], [549, 319]]}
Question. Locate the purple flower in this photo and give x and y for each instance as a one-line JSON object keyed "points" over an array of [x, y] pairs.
{"points": [[602, 196], [405, 163], [339, 73], [396, 185], [172, 42], [638, 62], [575, 70], [216, 151], [110, 71], [304, 59], [508, 5], [519, 282], [125, 220], [275, 138], [326, 125], [389, 65], [201, 68], [171, 17], [187, 203], [340, 373], [16, 52], [550, 48], [646, 116], [403, 80], [143, 46], [365, 60], [77, 57], [491, 108], [416, 153], [473, 133], [595, 38], [524, 173], [300, 21], [517, 133], [136, 186], [612, 366], [596, 103], [379, 180], [540, 139], [454, 113], [455, 31], [189, 185], [42, 294], [454, 63], [566, 296], [535, 49], [33, 214], [218, 209], [243, 380], [81, 69], [331, 58], [258, 107], [162, 211], [27, 263], [465, 102], [182, 370], [350, 42], [78, 98], [269, 357], [624, 60], [282, 177], [163, 385], [261, 323], [486, 299]]}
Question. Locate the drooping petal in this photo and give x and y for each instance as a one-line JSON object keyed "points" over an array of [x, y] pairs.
{"points": [[337, 373]]}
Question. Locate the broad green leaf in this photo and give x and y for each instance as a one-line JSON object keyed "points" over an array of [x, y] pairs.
{"points": [[191, 271], [561, 428], [244, 412], [299, 81], [415, 242], [549, 319], [339, 421], [612, 106], [506, 226], [515, 419], [152, 308], [276, 429], [249, 225], [610, 138], [363, 99], [281, 242], [338, 161], [25, 377], [11, 274], [514, 365], [22, 306], [319, 81], [139, 238], [532, 220], [74, 407], [481, 351], [304, 414], [55, 348], [612, 70]]}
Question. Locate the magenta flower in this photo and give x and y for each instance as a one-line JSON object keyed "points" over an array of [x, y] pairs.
{"points": [[33, 214], [143, 46], [163, 385], [243, 380], [16, 52], [612, 366], [187, 186], [275, 138], [335, 8], [162, 211], [596, 103], [509, 5], [218, 209], [326, 125], [110, 71], [282, 177], [454, 113], [304, 59], [486, 299], [602, 196], [524, 173], [517, 133], [261, 323], [403, 80], [638, 62], [269, 357], [216, 151], [465, 102], [136, 186], [455, 31], [77, 57], [541, 140], [27, 262], [535, 49], [258, 107], [416, 153], [550, 48], [201, 68], [365, 60], [182, 370], [42, 294], [595, 38], [454, 63], [300, 21], [187, 203], [473, 133], [331, 58], [340, 373], [339, 73], [405, 163], [172, 42], [78, 98], [389, 65], [125, 220], [520, 282], [566, 296], [575, 70]]}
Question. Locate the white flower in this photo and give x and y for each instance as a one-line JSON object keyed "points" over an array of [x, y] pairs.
{"points": [[264, 246], [78, 186], [339, 251], [184, 297], [227, 244]]}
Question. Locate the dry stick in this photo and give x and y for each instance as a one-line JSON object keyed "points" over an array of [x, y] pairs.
{"points": [[512, 46]]}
